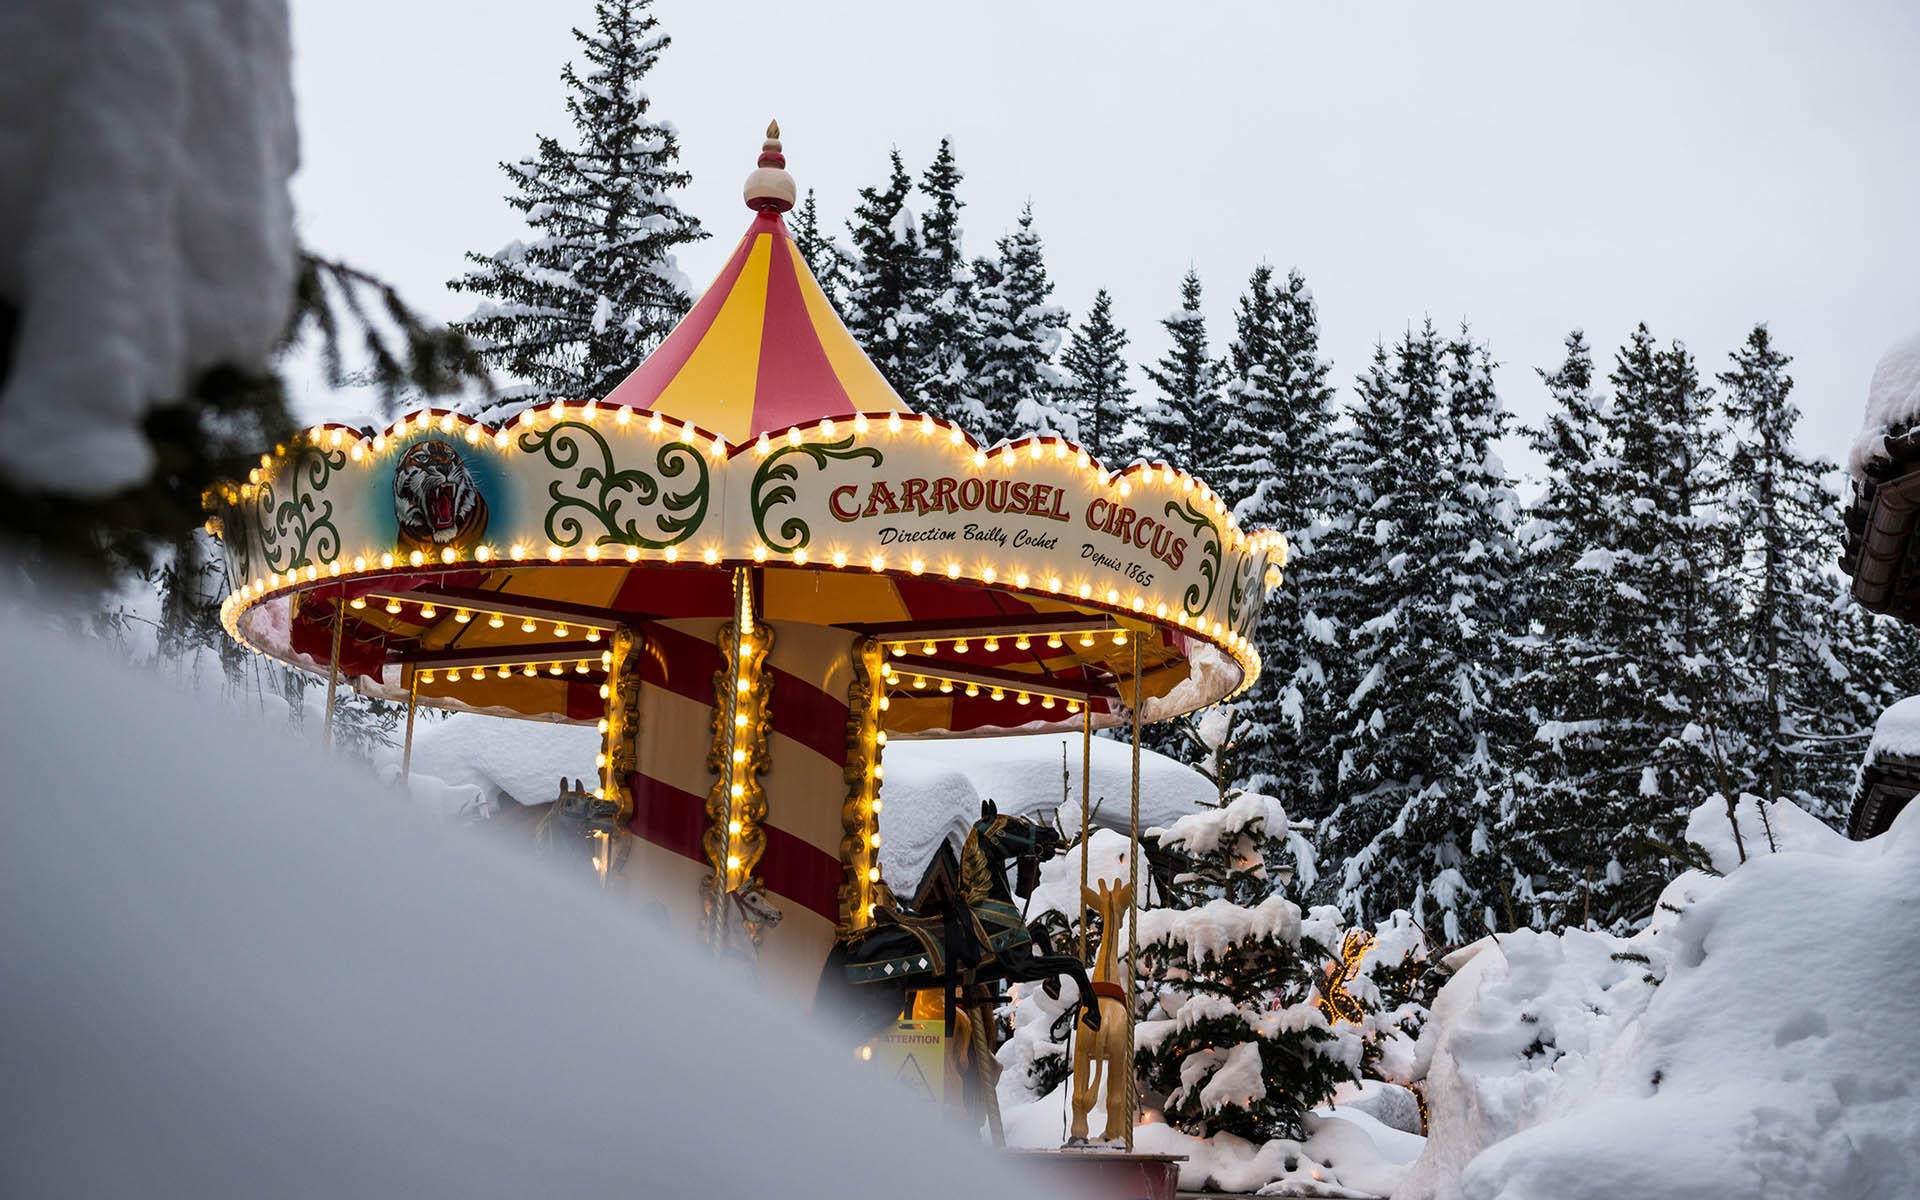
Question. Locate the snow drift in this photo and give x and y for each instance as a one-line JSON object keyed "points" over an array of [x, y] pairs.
{"points": [[1756, 1040], [236, 968]]}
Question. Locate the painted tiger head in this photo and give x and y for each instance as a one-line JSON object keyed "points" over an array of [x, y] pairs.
{"points": [[435, 500]]}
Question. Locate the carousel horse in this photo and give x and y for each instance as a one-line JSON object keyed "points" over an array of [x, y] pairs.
{"points": [[1104, 1046], [575, 823], [978, 937]]}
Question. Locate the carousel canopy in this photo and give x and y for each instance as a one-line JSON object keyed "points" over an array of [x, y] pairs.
{"points": [[484, 565]]}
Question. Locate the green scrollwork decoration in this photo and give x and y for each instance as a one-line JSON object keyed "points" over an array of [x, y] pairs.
{"points": [[793, 533], [1195, 600], [607, 490], [303, 532], [1243, 601]]}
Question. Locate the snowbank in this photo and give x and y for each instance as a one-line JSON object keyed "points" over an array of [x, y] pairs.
{"points": [[144, 156], [1893, 404], [933, 788], [1755, 1040], [237, 968], [1898, 730]]}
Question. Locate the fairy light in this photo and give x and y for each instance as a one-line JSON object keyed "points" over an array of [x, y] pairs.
{"points": [[992, 644], [1022, 642], [496, 620]]}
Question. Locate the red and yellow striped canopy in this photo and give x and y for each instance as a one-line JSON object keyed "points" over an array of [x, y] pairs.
{"points": [[762, 351]]}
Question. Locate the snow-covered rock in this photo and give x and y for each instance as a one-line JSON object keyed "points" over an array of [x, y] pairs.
{"points": [[236, 967], [1756, 1039], [1893, 404], [145, 151]]}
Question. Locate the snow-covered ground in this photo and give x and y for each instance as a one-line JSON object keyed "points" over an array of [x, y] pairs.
{"points": [[235, 967], [1773, 1058], [933, 789]]}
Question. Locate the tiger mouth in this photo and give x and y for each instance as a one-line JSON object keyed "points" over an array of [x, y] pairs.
{"points": [[440, 506]]}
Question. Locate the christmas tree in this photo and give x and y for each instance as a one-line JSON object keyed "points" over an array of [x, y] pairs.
{"points": [[1018, 330], [1096, 383], [944, 341], [1182, 422], [1229, 1033], [1425, 735], [571, 311], [885, 293]]}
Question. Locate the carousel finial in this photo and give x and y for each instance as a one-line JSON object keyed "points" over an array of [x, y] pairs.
{"points": [[770, 188]]}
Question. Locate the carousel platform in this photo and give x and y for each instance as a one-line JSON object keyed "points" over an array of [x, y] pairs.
{"points": [[1101, 1174]]}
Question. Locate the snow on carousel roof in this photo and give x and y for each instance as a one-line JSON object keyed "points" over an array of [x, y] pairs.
{"points": [[763, 350]]}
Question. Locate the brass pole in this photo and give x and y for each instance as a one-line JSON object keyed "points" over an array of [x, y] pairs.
{"points": [[333, 670], [1086, 788], [1133, 904], [413, 699]]}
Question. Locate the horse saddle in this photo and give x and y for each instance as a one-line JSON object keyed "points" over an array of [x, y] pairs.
{"points": [[994, 925]]}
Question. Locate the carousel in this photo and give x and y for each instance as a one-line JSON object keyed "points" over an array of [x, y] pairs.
{"points": [[751, 565]]}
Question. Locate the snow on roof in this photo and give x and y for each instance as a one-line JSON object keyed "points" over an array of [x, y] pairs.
{"points": [[933, 789], [1893, 404], [1898, 730]]}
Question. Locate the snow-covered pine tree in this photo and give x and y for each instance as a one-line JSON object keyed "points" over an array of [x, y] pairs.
{"points": [[1634, 730], [1426, 737], [1806, 708], [1182, 422], [944, 340], [885, 289], [1229, 1033], [1018, 330], [1275, 472], [570, 312], [1095, 362], [826, 258]]}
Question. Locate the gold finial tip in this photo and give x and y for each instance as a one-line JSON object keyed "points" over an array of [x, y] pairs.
{"points": [[773, 129], [770, 187]]}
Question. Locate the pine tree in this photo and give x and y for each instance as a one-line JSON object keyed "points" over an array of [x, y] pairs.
{"points": [[1019, 330], [885, 290], [1425, 735], [943, 342], [1181, 422], [1230, 1034], [572, 311], [1633, 729], [1275, 472], [826, 258], [1806, 705], [1097, 386]]}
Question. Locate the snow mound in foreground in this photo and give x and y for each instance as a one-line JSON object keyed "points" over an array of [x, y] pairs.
{"points": [[237, 968], [1757, 1039], [145, 151]]}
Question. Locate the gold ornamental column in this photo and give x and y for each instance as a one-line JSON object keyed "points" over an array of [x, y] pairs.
{"points": [[860, 814], [742, 712]]}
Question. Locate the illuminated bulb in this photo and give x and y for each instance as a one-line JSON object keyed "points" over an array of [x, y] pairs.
{"points": [[428, 612], [1085, 591], [740, 720], [518, 552], [874, 841], [916, 566], [673, 554], [386, 561], [553, 668], [1119, 637], [1046, 702], [453, 676], [1033, 449], [1022, 642], [580, 668], [733, 862], [462, 615], [929, 648], [899, 651], [878, 772], [885, 704], [739, 756], [946, 686], [633, 554], [979, 458], [711, 556], [559, 630], [357, 602], [622, 415], [553, 552], [393, 606], [529, 670], [1053, 641], [504, 671], [417, 558], [1020, 580], [359, 563], [742, 684], [920, 681], [793, 435], [860, 422], [973, 689], [496, 621], [1073, 706], [606, 658], [527, 626], [593, 635], [605, 692], [999, 693], [960, 646], [987, 575], [686, 433], [739, 791], [759, 554], [826, 426], [926, 424], [426, 677], [800, 557], [1086, 639], [873, 874], [1113, 596], [593, 552], [734, 827], [893, 423], [1059, 449]]}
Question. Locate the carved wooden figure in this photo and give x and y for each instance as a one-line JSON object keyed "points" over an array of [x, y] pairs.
{"points": [[1108, 1048]]}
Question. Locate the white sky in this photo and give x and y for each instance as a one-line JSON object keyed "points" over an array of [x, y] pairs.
{"points": [[1530, 167]]}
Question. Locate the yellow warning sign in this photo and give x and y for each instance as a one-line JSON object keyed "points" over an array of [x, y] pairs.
{"points": [[913, 1054]]}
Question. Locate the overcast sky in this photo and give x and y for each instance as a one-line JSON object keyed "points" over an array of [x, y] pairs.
{"points": [[1528, 167]]}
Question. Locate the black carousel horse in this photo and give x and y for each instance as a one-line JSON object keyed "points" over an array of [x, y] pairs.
{"points": [[973, 936]]}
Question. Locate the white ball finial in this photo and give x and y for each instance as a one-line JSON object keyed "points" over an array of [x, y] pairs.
{"points": [[770, 188]]}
